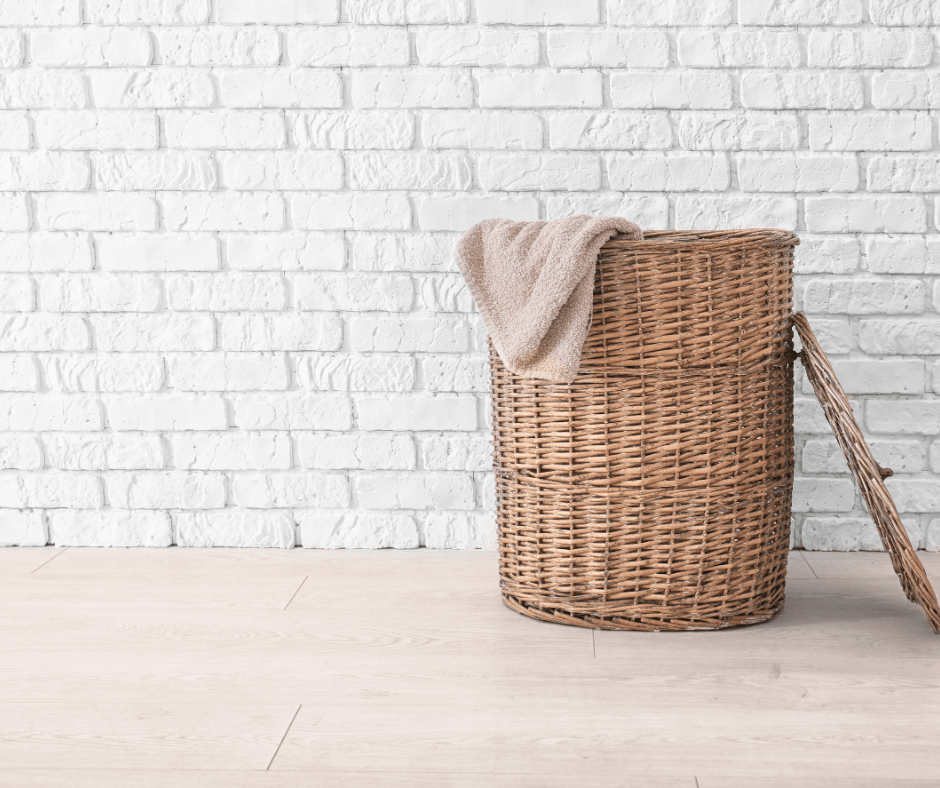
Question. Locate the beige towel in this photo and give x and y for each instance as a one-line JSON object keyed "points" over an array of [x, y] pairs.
{"points": [[533, 282]]}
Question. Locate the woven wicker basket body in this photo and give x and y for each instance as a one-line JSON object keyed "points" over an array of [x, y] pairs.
{"points": [[653, 492]]}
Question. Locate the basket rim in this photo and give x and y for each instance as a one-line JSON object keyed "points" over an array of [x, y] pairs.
{"points": [[705, 238]]}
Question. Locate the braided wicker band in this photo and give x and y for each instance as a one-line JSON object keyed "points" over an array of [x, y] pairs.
{"points": [[868, 474], [653, 492]]}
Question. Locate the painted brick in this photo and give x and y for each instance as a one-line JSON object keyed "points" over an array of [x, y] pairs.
{"points": [[20, 452], [158, 87], [334, 372], [906, 90], [220, 292], [460, 530], [455, 452], [238, 450], [671, 90], [14, 130], [542, 88], [363, 46], [827, 457], [337, 530], [458, 212], [160, 412], [277, 12], [803, 89], [294, 251], [610, 130], [150, 171], [872, 48], [801, 12], [609, 48], [356, 451], [98, 292], [211, 129], [159, 331], [229, 211], [146, 12], [888, 376], [399, 252], [79, 451], [903, 174], [395, 334], [915, 495], [297, 410], [20, 333], [165, 490], [905, 417], [353, 292], [532, 172], [796, 172], [411, 87], [97, 129], [228, 371], [485, 131], [475, 47], [890, 296], [34, 89], [219, 46], [44, 252], [421, 171], [823, 495], [650, 212], [907, 337], [285, 88], [287, 331], [20, 528], [826, 255], [96, 211], [455, 373], [904, 12], [16, 294], [412, 12], [91, 46], [738, 131], [668, 12], [739, 48], [668, 172], [902, 254], [51, 490], [846, 534], [847, 131], [42, 13], [415, 491], [88, 372], [417, 413], [444, 294], [226, 528], [848, 213], [351, 211], [282, 170], [316, 491], [152, 252], [18, 372], [354, 130], [734, 211]]}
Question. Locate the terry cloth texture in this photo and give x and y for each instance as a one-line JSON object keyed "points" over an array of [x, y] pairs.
{"points": [[533, 282]]}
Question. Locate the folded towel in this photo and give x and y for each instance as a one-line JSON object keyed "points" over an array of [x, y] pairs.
{"points": [[533, 282]]}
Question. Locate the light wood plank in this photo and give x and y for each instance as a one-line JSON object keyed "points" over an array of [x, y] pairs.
{"points": [[85, 591], [797, 568], [150, 735], [16, 561], [519, 736], [52, 778]]}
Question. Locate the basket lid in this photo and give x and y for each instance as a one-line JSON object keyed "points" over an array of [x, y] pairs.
{"points": [[868, 474]]}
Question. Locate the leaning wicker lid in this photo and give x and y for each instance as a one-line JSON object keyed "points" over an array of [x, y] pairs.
{"points": [[869, 475]]}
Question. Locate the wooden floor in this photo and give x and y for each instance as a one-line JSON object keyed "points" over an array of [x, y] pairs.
{"points": [[267, 669]]}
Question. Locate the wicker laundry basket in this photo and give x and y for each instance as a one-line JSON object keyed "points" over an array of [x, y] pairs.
{"points": [[653, 492]]}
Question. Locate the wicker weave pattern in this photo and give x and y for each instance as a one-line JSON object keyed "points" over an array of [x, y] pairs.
{"points": [[868, 474], [654, 491]]}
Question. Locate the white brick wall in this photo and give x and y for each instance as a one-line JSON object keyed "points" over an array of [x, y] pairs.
{"points": [[229, 310]]}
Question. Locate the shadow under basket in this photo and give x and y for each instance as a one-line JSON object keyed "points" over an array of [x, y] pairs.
{"points": [[654, 491]]}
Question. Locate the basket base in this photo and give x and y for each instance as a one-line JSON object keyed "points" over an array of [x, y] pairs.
{"points": [[652, 620]]}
